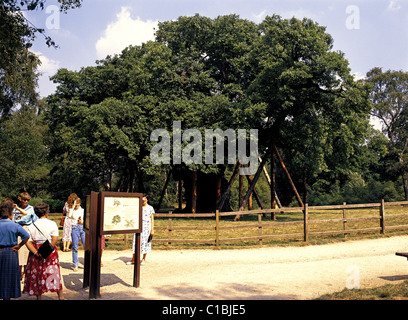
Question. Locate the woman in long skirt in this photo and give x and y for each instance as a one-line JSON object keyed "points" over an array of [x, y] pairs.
{"points": [[9, 268], [67, 228], [43, 275], [148, 230]]}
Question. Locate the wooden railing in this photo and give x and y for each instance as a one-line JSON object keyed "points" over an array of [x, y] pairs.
{"points": [[261, 224], [214, 224]]}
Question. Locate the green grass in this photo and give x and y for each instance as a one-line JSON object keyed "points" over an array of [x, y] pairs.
{"points": [[386, 292]]}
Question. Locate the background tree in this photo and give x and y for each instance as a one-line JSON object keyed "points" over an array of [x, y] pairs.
{"points": [[23, 132], [390, 105], [18, 76], [281, 77], [23, 153]]}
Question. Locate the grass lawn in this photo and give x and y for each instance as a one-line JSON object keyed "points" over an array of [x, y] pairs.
{"points": [[386, 292]]}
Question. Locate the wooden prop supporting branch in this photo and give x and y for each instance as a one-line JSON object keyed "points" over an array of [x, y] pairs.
{"points": [[252, 186], [228, 190], [271, 150], [288, 176], [273, 192], [258, 199], [163, 191], [194, 192], [180, 194]]}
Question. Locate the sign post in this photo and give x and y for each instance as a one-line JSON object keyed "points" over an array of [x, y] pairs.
{"points": [[109, 213]]}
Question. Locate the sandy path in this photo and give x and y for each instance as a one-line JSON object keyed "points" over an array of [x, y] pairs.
{"points": [[263, 273]]}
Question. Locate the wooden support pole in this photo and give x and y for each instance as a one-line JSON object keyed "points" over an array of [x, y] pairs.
{"points": [[382, 216], [272, 183], [169, 229], [258, 199], [345, 220], [260, 228], [218, 190], [136, 268], [194, 193], [217, 229], [241, 189], [288, 176], [95, 242], [306, 223], [228, 190], [180, 194], [163, 191], [256, 177]]}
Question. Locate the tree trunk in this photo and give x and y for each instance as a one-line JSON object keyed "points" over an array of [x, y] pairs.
{"points": [[305, 196], [405, 184], [194, 193]]}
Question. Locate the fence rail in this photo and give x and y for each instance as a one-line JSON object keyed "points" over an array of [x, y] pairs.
{"points": [[261, 224], [216, 239]]}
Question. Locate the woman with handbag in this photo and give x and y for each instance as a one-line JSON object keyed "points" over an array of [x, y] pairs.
{"points": [[43, 272]]}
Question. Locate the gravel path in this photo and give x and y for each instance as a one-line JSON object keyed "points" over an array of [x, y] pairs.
{"points": [[253, 274]]}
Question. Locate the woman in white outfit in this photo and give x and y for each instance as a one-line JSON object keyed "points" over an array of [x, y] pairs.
{"points": [[148, 230]]}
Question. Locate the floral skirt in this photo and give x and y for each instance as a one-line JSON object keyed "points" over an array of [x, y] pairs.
{"points": [[42, 275], [67, 229]]}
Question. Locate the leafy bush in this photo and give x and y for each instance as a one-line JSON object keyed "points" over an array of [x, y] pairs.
{"points": [[370, 192], [55, 204]]}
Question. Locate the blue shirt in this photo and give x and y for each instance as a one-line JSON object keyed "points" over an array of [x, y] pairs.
{"points": [[27, 219], [9, 232]]}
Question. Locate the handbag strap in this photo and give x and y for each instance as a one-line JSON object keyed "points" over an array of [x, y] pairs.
{"points": [[40, 231]]}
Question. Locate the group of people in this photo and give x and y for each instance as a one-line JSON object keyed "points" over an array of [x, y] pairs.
{"points": [[24, 228]]}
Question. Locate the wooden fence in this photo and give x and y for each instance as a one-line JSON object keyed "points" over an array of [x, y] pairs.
{"points": [[261, 224], [214, 224]]}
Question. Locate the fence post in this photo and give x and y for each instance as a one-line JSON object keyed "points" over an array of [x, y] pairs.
{"points": [[382, 217], [260, 228], [306, 222], [345, 220], [170, 221], [217, 229]]}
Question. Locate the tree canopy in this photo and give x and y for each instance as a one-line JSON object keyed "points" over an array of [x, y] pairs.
{"points": [[281, 77], [389, 96], [18, 74]]}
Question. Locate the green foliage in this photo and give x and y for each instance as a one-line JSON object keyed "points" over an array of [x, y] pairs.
{"points": [[18, 75], [23, 152], [389, 96], [281, 77], [356, 190], [56, 205]]}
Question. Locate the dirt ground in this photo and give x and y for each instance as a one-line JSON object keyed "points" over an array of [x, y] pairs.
{"points": [[251, 274]]}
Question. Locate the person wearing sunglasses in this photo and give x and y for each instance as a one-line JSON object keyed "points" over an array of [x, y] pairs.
{"points": [[24, 215]]}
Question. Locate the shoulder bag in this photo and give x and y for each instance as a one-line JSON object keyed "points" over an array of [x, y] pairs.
{"points": [[46, 248]]}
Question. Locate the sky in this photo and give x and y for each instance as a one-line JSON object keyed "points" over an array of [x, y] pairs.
{"points": [[371, 33]]}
